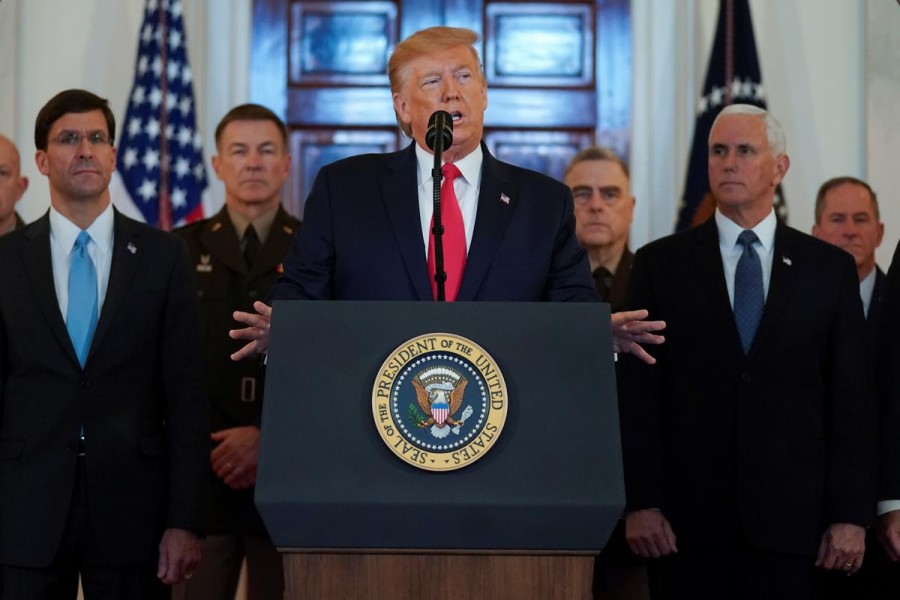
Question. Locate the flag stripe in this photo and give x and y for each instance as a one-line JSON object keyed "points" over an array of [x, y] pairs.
{"points": [[160, 156]]}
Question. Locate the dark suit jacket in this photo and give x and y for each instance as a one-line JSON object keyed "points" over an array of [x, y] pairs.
{"points": [[887, 365], [362, 237], [775, 445], [225, 284], [140, 398], [876, 308]]}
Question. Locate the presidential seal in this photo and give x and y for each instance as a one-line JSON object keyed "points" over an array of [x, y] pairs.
{"points": [[439, 402]]}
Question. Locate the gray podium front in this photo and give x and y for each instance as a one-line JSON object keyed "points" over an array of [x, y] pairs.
{"points": [[523, 520]]}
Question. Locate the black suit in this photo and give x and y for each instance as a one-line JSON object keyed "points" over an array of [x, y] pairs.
{"points": [[879, 578], [765, 449], [883, 575], [140, 399], [875, 317], [362, 237]]}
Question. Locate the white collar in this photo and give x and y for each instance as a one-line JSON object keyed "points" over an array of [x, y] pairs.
{"points": [[729, 231], [101, 230], [469, 165]]}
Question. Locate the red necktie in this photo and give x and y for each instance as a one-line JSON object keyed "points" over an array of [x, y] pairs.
{"points": [[454, 237]]}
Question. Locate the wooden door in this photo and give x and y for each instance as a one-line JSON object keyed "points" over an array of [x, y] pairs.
{"points": [[558, 73]]}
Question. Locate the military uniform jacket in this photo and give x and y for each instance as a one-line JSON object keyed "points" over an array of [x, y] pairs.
{"points": [[225, 284]]}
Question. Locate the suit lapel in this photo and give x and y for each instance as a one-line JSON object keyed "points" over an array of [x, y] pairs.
{"points": [[709, 265], [126, 256], [491, 222], [781, 285], [39, 271], [401, 201]]}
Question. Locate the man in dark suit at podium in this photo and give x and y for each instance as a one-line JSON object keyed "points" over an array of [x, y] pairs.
{"points": [[750, 447], [509, 232]]}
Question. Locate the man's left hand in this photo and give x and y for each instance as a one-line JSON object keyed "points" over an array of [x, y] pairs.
{"points": [[179, 554], [630, 330], [234, 458], [842, 548]]}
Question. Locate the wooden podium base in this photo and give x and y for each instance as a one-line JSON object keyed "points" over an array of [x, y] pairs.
{"points": [[437, 577]]}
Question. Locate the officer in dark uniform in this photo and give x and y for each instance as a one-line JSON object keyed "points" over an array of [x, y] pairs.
{"points": [[237, 256]]}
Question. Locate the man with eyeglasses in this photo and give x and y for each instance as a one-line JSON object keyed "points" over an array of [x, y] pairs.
{"points": [[12, 186], [105, 427], [604, 209]]}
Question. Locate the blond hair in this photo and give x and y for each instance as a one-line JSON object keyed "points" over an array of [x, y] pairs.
{"points": [[421, 43]]}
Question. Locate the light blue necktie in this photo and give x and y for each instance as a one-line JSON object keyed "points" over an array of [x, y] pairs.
{"points": [[81, 315], [749, 298]]}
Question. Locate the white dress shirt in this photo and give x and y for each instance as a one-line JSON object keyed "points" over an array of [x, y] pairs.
{"points": [[466, 187], [867, 288], [62, 239]]}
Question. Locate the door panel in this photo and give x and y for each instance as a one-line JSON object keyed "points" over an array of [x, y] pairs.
{"points": [[558, 73]]}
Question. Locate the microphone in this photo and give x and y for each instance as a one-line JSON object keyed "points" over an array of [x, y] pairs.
{"points": [[439, 124]]}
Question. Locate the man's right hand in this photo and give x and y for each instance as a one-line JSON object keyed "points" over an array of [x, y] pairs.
{"points": [[257, 331], [649, 534]]}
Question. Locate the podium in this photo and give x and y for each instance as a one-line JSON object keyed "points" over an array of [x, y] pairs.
{"points": [[523, 521]]}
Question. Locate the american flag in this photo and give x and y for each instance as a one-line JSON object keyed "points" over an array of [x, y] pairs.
{"points": [[160, 155]]}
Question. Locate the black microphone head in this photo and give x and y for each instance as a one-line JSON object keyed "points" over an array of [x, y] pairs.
{"points": [[440, 123]]}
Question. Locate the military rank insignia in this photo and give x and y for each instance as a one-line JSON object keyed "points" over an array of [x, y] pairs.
{"points": [[439, 402], [205, 264]]}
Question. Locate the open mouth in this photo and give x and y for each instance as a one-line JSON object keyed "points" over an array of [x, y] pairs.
{"points": [[456, 116]]}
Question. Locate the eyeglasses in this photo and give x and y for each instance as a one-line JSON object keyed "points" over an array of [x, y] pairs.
{"points": [[73, 138]]}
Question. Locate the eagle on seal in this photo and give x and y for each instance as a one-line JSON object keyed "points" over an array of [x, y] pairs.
{"points": [[440, 405]]}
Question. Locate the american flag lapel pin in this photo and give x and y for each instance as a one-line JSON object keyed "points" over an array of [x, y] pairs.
{"points": [[786, 260], [504, 198], [131, 248]]}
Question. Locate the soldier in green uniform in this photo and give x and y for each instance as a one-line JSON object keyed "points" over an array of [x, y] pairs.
{"points": [[237, 256]]}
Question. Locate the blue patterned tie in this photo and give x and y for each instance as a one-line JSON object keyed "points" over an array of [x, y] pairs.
{"points": [[81, 315], [748, 290]]}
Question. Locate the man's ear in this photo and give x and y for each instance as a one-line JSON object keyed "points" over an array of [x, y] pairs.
{"points": [[402, 108], [782, 164], [40, 159], [23, 185]]}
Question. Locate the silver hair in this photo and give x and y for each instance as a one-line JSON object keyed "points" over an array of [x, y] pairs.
{"points": [[774, 132]]}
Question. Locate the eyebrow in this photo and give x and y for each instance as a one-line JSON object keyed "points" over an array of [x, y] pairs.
{"points": [[440, 70]]}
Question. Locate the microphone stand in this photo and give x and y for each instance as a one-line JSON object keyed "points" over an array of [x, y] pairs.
{"points": [[437, 229]]}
